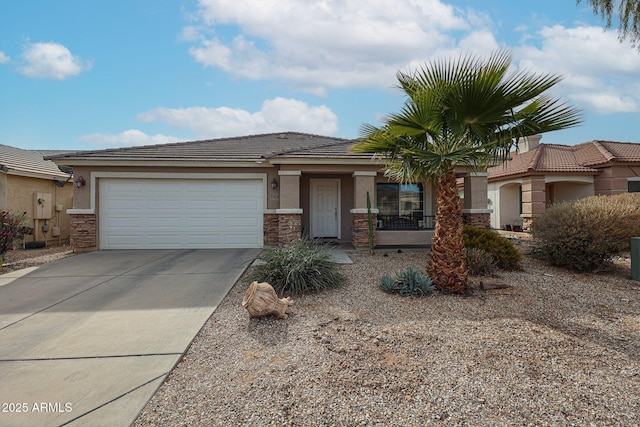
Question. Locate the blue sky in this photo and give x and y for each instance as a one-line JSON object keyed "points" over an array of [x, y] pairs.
{"points": [[77, 74]]}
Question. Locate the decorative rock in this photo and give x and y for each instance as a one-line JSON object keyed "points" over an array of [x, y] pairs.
{"points": [[261, 300]]}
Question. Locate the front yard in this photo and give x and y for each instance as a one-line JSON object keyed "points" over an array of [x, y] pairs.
{"points": [[552, 348]]}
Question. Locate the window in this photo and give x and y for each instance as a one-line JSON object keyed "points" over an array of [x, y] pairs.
{"points": [[634, 185], [395, 201]]}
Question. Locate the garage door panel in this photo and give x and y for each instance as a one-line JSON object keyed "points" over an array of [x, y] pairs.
{"points": [[161, 213]]}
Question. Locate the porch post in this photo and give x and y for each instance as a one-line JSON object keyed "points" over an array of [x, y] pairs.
{"points": [[363, 182], [290, 212], [533, 199], [474, 209]]}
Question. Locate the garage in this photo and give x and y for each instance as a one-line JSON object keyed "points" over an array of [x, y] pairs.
{"points": [[154, 213]]}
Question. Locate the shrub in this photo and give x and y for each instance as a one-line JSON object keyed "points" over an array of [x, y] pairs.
{"points": [[301, 267], [480, 263], [10, 228], [504, 253], [407, 282], [585, 234]]}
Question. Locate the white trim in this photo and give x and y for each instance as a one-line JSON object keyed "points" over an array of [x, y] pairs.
{"points": [[478, 174], [364, 211], [477, 211], [634, 179], [289, 211], [270, 211], [95, 175], [289, 173], [338, 181], [81, 211], [364, 173]]}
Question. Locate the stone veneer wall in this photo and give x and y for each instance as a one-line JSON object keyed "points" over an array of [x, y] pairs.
{"points": [[360, 230], [83, 232], [270, 229], [289, 228], [480, 220]]}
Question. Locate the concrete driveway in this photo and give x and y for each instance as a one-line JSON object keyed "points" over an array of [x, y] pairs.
{"points": [[87, 340]]}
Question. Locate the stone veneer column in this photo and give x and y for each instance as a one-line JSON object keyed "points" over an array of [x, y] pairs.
{"points": [[533, 199], [290, 212], [360, 229], [270, 227], [289, 228], [474, 208], [83, 233]]}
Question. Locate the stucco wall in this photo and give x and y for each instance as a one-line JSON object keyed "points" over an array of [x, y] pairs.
{"points": [[508, 211], [566, 191], [614, 179], [20, 197]]}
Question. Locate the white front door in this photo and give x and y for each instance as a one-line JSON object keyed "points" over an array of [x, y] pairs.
{"points": [[325, 208]]}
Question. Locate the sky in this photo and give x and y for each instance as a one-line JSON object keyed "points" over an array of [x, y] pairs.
{"points": [[86, 75]]}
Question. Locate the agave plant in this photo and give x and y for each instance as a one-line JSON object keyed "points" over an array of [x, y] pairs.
{"points": [[407, 282]]}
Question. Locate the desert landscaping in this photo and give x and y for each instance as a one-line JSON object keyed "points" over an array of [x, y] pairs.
{"points": [[540, 346]]}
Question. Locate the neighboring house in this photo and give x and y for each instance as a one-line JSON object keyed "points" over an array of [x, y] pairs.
{"points": [[30, 183], [248, 192], [539, 175]]}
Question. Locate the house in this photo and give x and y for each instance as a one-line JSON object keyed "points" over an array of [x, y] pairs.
{"points": [[248, 191], [30, 183], [539, 175]]}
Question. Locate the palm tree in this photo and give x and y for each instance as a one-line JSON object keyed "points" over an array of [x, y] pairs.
{"points": [[627, 13], [466, 112]]}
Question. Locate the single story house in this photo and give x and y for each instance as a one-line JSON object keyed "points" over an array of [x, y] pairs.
{"points": [[249, 191], [539, 175], [30, 183]]}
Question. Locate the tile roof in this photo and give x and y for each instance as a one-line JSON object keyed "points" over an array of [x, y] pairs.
{"points": [[243, 148], [580, 159], [29, 163]]}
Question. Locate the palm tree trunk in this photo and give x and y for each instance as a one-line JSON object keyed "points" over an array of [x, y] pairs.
{"points": [[447, 266]]}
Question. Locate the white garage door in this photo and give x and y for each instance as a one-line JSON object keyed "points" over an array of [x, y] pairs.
{"points": [[180, 213]]}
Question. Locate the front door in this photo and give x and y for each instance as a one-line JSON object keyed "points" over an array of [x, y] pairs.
{"points": [[325, 208]]}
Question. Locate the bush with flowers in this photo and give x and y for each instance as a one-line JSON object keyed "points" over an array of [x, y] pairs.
{"points": [[11, 227]]}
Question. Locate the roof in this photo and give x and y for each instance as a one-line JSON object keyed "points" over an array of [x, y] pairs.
{"points": [[28, 163], [582, 159], [254, 148]]}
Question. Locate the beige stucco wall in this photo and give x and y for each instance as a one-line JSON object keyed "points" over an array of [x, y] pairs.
{"points": [[404, 238], [614, 179], [20, 193], [566, 191]]}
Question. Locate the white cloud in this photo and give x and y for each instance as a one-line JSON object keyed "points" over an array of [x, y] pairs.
{"points": [[599, 72], [51, 60], [317, 44], [4, 58], [127, 138], [276, 115]]}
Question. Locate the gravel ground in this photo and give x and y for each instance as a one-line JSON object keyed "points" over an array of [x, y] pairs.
{"points": [[21, 258], [552, 348]]}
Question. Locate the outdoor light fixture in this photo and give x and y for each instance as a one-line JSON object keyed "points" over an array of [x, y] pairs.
{"points": [[274, 184], [80, 182]]}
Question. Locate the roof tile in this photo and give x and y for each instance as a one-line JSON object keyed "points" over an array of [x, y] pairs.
{"points": [[244, 148]]}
